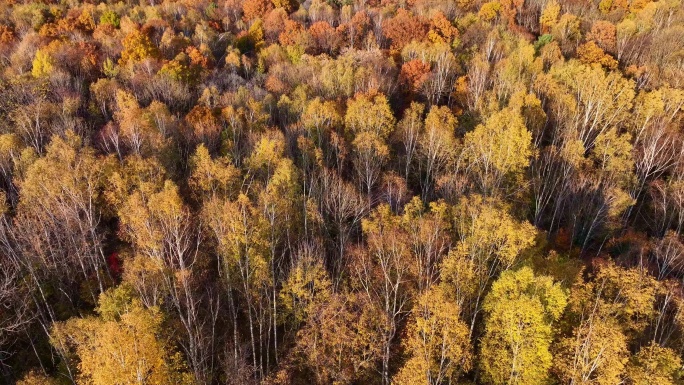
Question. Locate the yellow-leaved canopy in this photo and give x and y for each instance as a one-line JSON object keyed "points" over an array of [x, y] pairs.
{"points": [[520, 311], [122, 345]]}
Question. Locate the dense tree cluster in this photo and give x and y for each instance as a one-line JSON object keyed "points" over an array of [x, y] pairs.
{"points": [[342, 192]]}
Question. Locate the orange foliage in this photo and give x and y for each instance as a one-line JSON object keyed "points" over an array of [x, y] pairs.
{"points": [[7, 34], [204, 126], [404, 28], [291, 34], [604, 34], [253, 9], [274, 24], [354, 32], [413, 74], [591, 53], [325, 37], [441, 29], [199, 58]]}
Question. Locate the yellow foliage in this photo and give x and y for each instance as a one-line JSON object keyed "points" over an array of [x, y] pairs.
{"points": [[137, 47], [367, 113], [595, 354], [69, 175], [486, 230], [591, 53], [654, 364], [210, 177], [499, 149], [306, 287], [439, 342], [319, 117], [489, 10], [549, 15], [43, 64], [127, 350], [520, 310]]}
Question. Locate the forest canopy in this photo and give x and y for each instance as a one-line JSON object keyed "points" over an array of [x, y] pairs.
{"points": [[411, 192]]}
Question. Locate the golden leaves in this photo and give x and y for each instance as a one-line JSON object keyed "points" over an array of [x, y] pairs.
{"points": [[120, 350], [520, 308], [499, 149], [438, 341]]}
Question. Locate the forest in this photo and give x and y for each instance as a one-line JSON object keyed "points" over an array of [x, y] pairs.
{"points": [[405, 192]]}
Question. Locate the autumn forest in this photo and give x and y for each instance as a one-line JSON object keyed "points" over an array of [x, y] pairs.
{"points": [[409, 192]]}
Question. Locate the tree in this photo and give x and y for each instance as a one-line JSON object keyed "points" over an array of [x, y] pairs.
{"points": [[43, 64], [595, 354], [444, 66], [204, 127], [110, 17], [386, 273], [549, 16], [356, 29], [591, 53], [490, 240], [306, 288], [137, 47], [610, 311], [403, 28], [442, 30], [369, 113], [369, 121], [211, 177], [164, 235], [604, 34], [62, 198], [414, 74], [10, 151], [437, 146], [326, 38], [342, 208], [668, 253], [253, 9], [429, 238], [498, 151], [654, 364], [520, 311], [14, 294], [438, 342], [626, 296], [287, 5], [142, 130], [369, 157], [242, 247], [340, 340], [408, 133], [319, 119], [601, 100], [123, 345]]}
